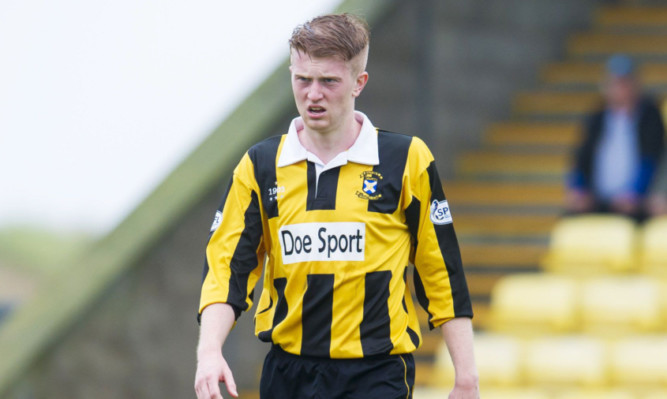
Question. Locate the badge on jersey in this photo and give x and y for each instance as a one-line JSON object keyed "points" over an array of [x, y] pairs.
{"points": [[216, 221], [369, 186], [440, 213]]}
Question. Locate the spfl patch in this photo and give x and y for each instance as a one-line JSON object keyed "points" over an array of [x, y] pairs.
{"points": [[216, 221], [440, 213]]}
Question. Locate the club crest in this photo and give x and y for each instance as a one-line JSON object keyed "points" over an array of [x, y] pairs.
{"points": [[370, 189]]}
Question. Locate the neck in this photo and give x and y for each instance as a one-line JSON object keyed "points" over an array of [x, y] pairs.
{"points": [[627, 107], [326, 145]]}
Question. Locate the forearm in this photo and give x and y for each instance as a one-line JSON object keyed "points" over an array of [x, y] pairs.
{"points": [[217, 321], [458, 335]]}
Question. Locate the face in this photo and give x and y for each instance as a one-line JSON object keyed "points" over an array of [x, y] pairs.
{"points": [[324, 91], [620, 92]]}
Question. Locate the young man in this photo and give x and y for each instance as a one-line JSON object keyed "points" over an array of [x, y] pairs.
{"points": [[334, 211]]}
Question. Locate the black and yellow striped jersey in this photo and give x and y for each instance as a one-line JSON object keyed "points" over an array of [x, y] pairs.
{"points": [[335, 243]]}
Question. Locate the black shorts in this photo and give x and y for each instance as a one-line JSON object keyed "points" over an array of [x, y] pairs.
{"points": [[287, 376]]}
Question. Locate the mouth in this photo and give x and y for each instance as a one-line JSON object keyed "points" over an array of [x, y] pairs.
{"points": [[316, 110]]}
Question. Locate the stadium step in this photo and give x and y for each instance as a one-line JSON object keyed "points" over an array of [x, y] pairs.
{"points": [[554, 102], [466, 193], [631, 17], [503, 225], [592, 73], [561, 134], [488, 162], [605, 44], [501, 255]]}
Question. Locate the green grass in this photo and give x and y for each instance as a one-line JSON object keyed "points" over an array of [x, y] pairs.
{"points": [[38, 250]]}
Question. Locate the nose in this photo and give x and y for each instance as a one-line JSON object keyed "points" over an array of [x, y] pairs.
{"points": [[315, 92]]}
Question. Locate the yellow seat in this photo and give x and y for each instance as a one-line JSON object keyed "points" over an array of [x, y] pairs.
{"points": [[655, 394], [522, 393], [562, 361], [618, 305], [640, 361], [492, 393], [498, 360], [534, 304], [592, 244], [653, 247], [596, 394]]}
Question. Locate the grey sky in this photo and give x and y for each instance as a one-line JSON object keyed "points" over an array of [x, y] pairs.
{"points": [[100, 100]]}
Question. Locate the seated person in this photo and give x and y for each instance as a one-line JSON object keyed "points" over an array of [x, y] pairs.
{"points": [[621, 148]]}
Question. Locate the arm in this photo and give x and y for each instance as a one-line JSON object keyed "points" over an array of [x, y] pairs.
{"points": [[459, 338], [440, 284], [234, 259], [578, 178], [439, 279], [652, 144], [217, 321]]}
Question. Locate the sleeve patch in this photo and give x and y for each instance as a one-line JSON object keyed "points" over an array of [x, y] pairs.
{"points": [[440, 213], [216, 221]]}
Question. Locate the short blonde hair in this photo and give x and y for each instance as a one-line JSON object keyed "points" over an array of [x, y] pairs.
{"points": [[343, 36]]}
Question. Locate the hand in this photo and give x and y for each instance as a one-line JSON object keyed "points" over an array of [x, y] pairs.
{"points": [[211, 370], [657, 205], [627, 204], [578, 201], [465, 389]]}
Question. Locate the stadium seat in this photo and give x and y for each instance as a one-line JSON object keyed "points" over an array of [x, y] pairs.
{"points": [[534, 304], [653, 247], [562, 361], [498, 360], [592, 244], [639, 361], [596, 394], [654, 394], [618, 305], [512, 394], [493, 393]]}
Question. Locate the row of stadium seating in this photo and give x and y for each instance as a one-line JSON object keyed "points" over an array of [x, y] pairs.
{"points": [[528, 393], [574, 361], [533, 304], [594, 244], [593, 325]]}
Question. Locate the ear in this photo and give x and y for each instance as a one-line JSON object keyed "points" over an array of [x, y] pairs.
{"points": [[360, 83]]}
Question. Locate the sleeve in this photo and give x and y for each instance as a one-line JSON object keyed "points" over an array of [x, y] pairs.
{"points": [[579, 176], [440, 284], [235, 251], [659, 186], [653, 146]]}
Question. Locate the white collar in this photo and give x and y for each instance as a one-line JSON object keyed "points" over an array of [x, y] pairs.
{"points": [[363, 151]]}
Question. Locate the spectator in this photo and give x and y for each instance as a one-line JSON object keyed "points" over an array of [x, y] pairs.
{"points": [[621, 148]]}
